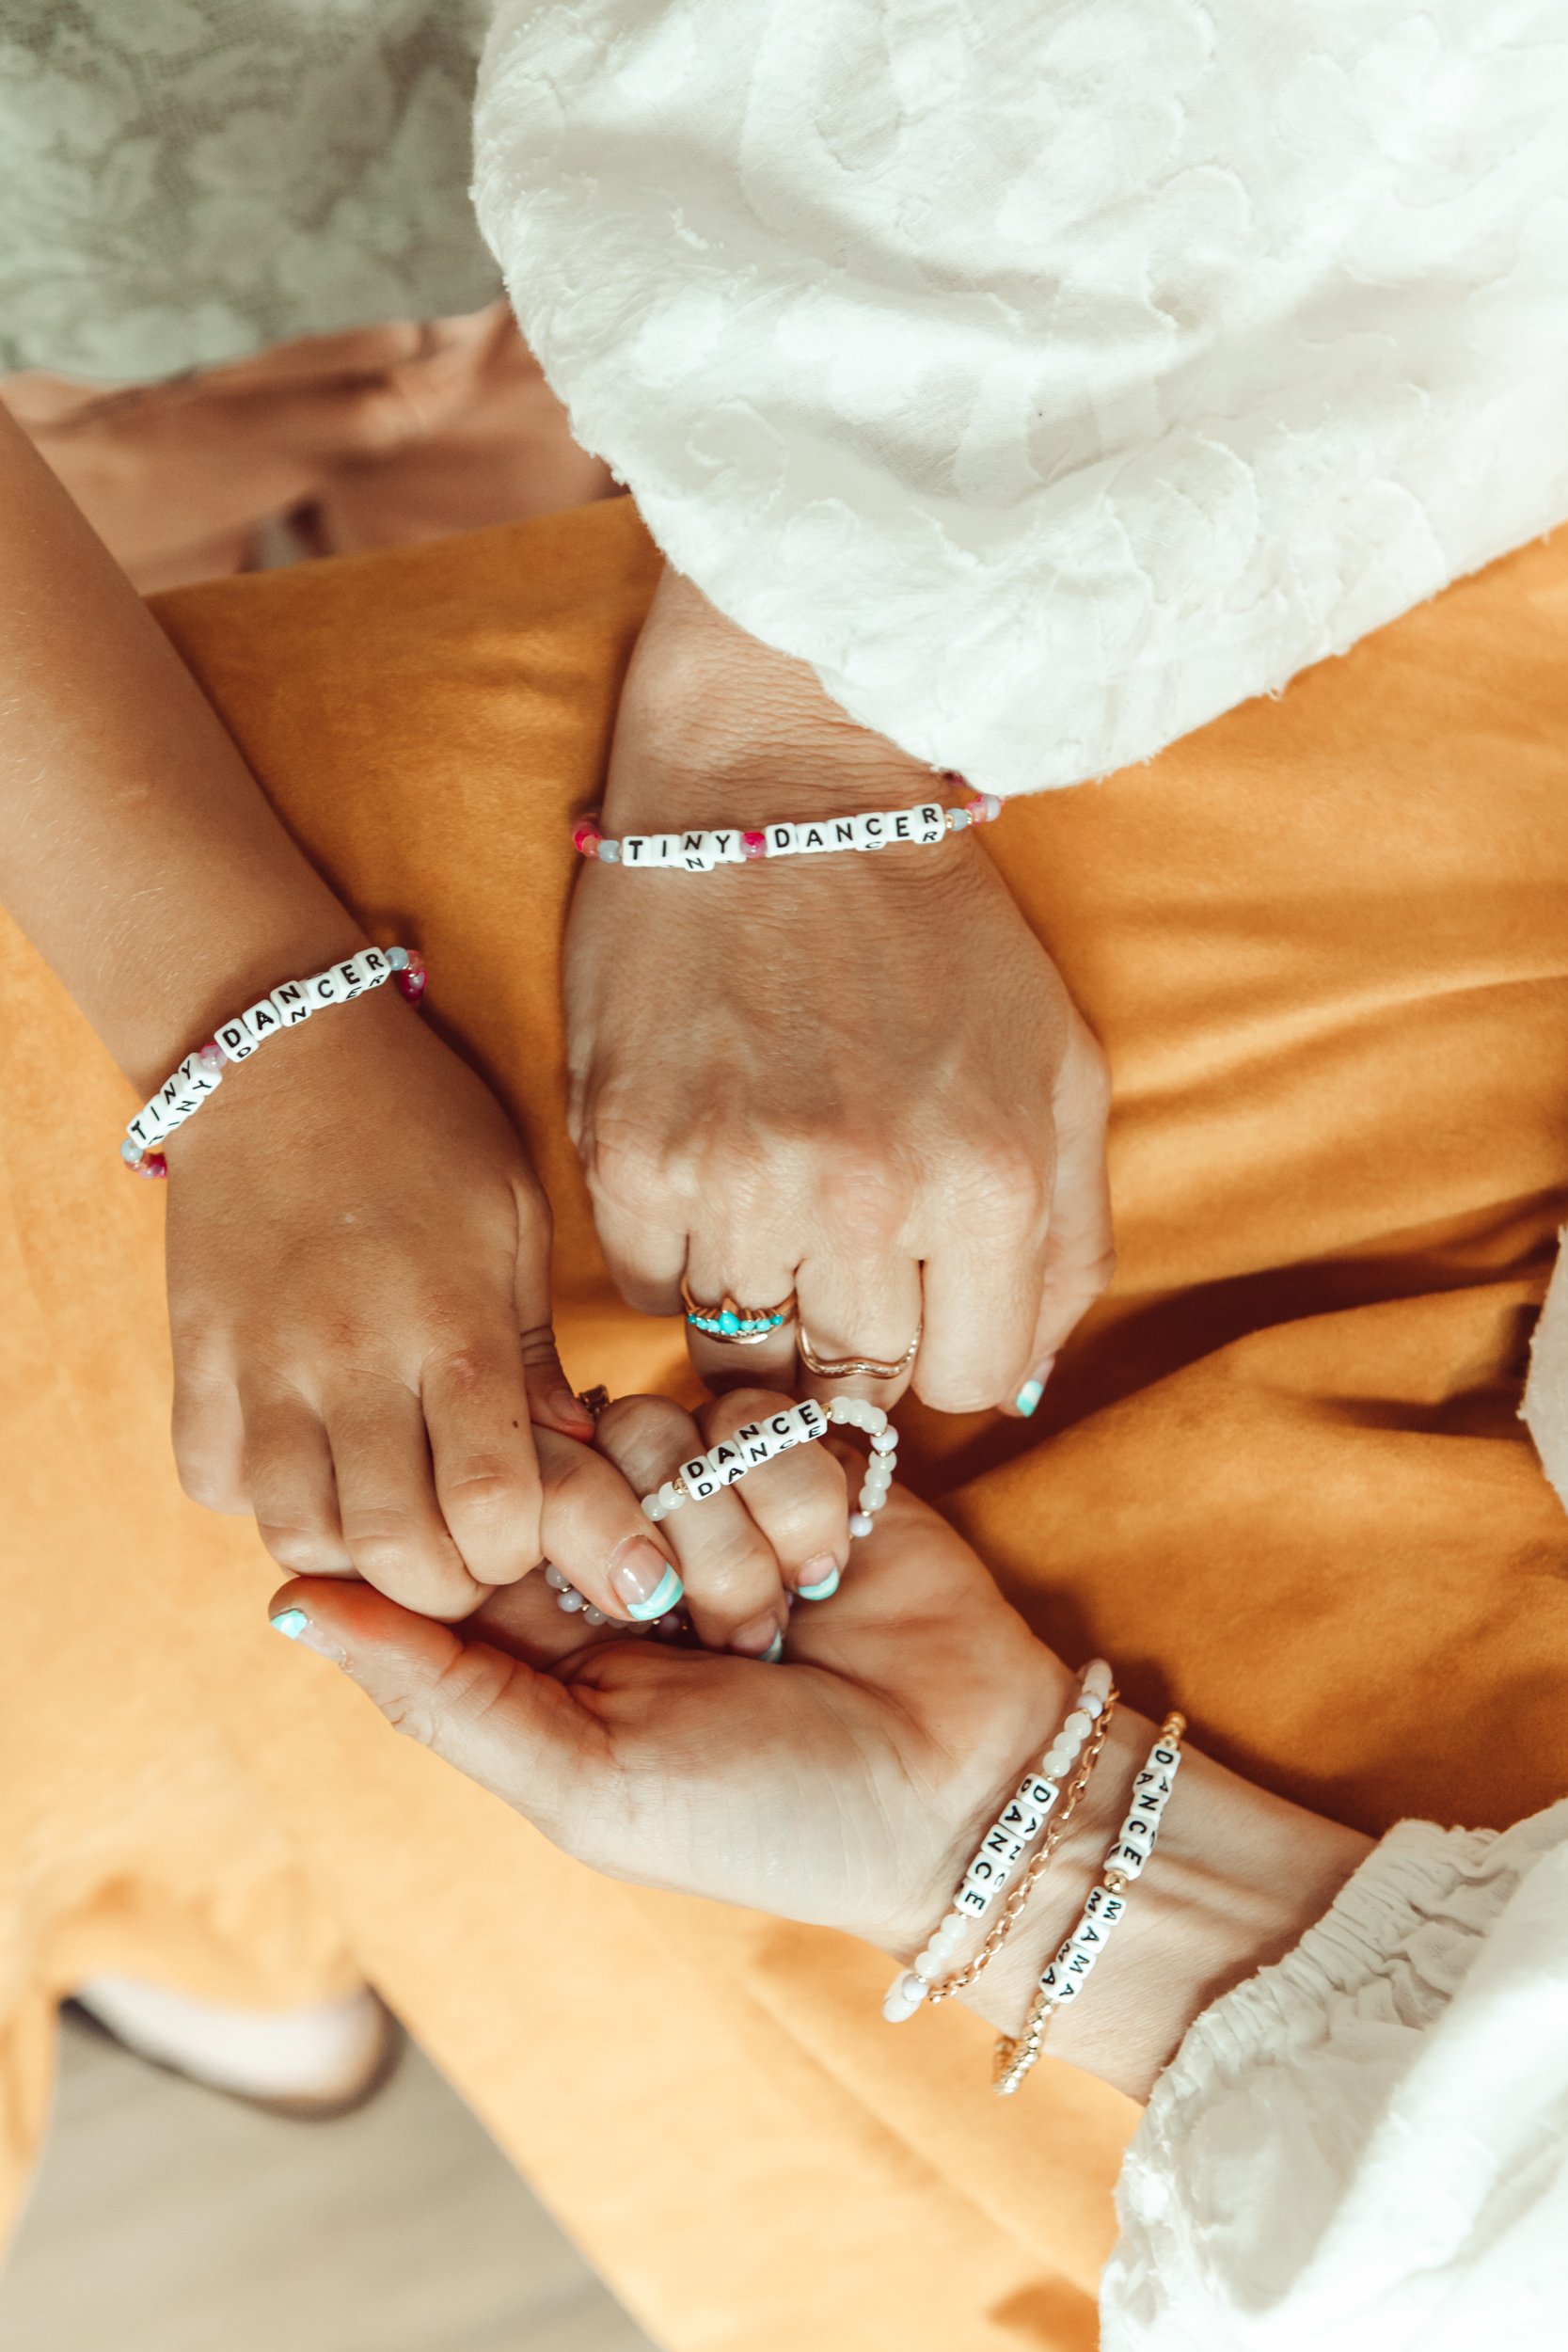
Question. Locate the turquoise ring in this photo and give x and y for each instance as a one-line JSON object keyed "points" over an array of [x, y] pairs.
{"points": [[735, 1325]]}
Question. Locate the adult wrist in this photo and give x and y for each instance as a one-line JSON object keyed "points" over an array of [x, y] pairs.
{"points": [[1236, 1879]]}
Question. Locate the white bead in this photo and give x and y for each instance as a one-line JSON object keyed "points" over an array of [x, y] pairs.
{"points": [[1055, 1981], [671, 1495], [374, 970], [654, 1509], [972, 1898], [1022, 1820], [1139, 1830], [236, 1040], [812, 1419], [637, 848], [700, 1480], [871, 1499], [1090, 1705], [199, 1077], [1038, 1792], [885, 1441], [727, 1463], [875, 1419], [931, 821], [724, 848], [261, 1019], [1057, 1763], [1166, 1757], [1129, 1859], [1097, 1678], [1077, 1726], [147, 1130], [870, 831], [861, 1523], [754, 1443], [783, 840], [927, 1965], [291, 1004], [592, 1616], [570, 1601], [811, 838], [558, 1580], [841, 1409], [952, 1930], [1099, 1903], [904, 1997], [693, 854], [321, 989], [901, 824], [1001, 1844]]}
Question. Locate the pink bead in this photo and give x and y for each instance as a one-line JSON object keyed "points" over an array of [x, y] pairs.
{"points": [[984, 809], [413, 979], [211, 1054], [586, 836], [150, 1164], [754, 844]]}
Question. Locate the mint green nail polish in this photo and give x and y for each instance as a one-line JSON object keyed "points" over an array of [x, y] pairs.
{"points": [[824, 1591], [774, 1651], [1029, 1396], [659, 1603], [291, 1623]]}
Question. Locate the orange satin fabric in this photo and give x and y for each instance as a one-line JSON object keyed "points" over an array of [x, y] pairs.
{"points": [[1280, 1478]]}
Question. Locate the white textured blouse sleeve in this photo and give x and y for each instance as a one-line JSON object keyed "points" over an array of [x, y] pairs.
{"points": [[1365, 2149], [1049, 377]]}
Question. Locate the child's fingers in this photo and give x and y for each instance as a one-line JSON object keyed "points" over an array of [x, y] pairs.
{"points": [[799, 1501], [597, 1535], [733, 1590]]}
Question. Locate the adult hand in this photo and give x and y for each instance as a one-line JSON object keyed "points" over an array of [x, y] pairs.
{"points": [[848, 1786], [859, 1078], [358, 1282]]}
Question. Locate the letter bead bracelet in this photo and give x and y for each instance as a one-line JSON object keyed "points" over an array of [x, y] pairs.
{"points": [[729, 1461], [927, 822], [201, 1073]]}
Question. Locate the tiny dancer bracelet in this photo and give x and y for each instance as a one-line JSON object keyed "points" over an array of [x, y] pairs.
{"points": [[201, 1073], [1005, 1845], [1064, 1977], [724, 1464], [928, 821]]}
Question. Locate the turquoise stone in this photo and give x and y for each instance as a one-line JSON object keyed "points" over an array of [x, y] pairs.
{"points": [[729, 1324]]}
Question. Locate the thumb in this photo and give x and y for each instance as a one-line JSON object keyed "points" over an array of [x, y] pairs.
{"points": [[520, 1734]]}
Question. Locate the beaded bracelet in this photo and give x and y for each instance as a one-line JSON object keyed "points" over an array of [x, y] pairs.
{"points": [[1065, 1974], [927, 822], [1005, 1845], [758, 1442], [201, 1073]]}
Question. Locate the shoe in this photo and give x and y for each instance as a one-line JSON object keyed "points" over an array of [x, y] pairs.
{"points": [[309, 2064]]}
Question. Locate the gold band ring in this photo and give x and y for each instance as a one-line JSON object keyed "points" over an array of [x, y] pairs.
{"points": [[855, 1367], [733, 1325]]}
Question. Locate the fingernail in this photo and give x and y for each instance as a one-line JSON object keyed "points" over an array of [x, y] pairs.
{"points": [[1029, 1396], [774, 1651], [759, 1637], [818, 1579], [644, 1579], [568, 1405], [296, 1626]]}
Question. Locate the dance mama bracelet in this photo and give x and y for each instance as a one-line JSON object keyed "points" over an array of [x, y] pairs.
{"points": [[201, 1073], [927, 822], [1065, 1974], [729, 1461]]}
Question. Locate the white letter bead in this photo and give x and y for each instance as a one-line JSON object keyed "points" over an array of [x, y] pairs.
{"points": [[1002, 1843], [1022, 1820], [374, 966], [146, 1129], [755, 1443], [722, 849], [635, 849], [781, 840], [727, 1463], [700, 1480], [971, 1898], [932, 821], [261, 1019], [235, 1040], [809, 839], [1058, 1985], [323, 990], [291, 1004], [199, 1077], [869, 832], [1099, 1903], [1128, 1859], [1041, 1794], [812, 1419], [1166, 1757]]}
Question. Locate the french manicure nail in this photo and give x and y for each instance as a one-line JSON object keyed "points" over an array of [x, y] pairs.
{"points": [[296, 1626], [644, 1581], [818, 1579], [1029, 1396], [759, 1637], [771, 1654]]}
